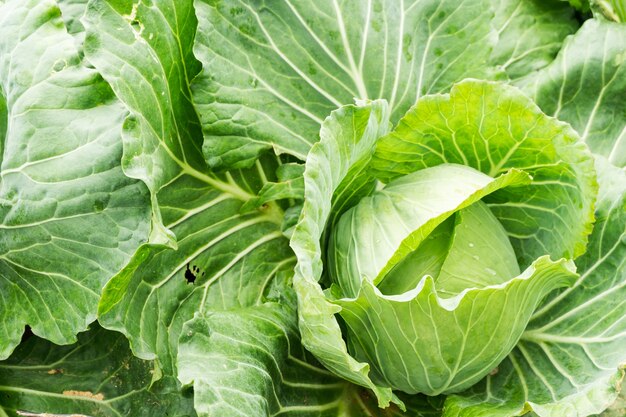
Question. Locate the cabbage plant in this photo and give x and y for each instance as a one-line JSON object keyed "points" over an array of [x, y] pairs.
{"points": [[430, 271], [197, 220], [437, 241]]}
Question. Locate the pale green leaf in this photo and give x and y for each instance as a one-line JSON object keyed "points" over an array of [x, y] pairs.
{"points": [[480, 253], [427, 259], [455, 341], [96, 377], [228, 251], [530, 33], [348, 139], [367, 241], [493, 128], [72, 11], [69, 217], [586, 85], [272, 71], [144, 51], [568, 362]]}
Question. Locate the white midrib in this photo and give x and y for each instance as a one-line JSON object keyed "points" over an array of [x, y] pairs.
{"points": [[578, 308], [539, 337], [536, 371], [200, 209], [233, 190], [279, 266], [614, 151], [396, 80], [46, 367], [431, 36], [558, 365], [520, 374], [356, 74], [273, 91], [322, 45], [596, 106]]}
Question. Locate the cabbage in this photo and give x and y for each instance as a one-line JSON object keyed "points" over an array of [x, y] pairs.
{"points": [[441, 238], [192, 175]]}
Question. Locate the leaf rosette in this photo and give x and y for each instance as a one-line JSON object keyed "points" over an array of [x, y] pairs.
{"points": [[423, 252]]}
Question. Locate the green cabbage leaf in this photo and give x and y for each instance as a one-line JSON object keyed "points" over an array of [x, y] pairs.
{"points": [[338, 208]]}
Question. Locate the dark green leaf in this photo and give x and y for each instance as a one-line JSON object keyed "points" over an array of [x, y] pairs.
{"points": [[69, 217], [96, 377], [273, 70]]}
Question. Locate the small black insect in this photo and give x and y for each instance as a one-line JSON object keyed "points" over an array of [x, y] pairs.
{"points": [[192, 273]]}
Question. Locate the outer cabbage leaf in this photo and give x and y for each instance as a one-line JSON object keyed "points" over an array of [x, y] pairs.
{"points": [[144, 51], [530, 33], [447, 336], [251, 362], [348, 139], [272, 71], [229, 248], [69, 217], [568, 362], [493, 127], [97, 376], [585, 86], [225, 259]]}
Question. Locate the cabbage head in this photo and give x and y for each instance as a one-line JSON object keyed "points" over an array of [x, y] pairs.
{"points": [[423, 251]]}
